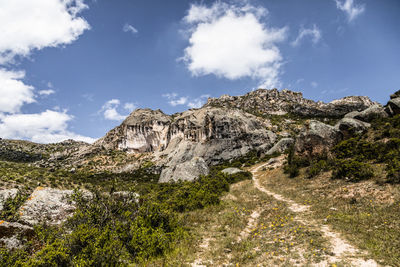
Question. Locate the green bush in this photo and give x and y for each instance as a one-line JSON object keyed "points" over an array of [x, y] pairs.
{"points": [[317, 167], [352, 170], [294, 163]]}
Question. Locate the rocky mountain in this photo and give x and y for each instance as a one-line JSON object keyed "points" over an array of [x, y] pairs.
{"points": [[224, 128]]}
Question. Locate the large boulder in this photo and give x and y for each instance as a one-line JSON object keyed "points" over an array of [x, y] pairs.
{"points": [[230, 171], [395, 95], [6, 194], [187, 171], [369, 114], [393, 106], [317, 138], [349, 127], [48, 205], [281, 146]]}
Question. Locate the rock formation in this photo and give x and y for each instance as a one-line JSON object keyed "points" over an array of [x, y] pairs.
{"points": [[267, 102]]}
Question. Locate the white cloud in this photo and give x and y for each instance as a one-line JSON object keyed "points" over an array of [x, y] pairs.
{"points": [[231, 41], [46, 92], [14, 93], [351, 9], [46, 127], [129, 106], [314, 33], [129, 28], [175, 100], [26, 25], [198, 102], [314, 84], [110, 110]]}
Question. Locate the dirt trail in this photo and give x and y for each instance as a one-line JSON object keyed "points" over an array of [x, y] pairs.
{"points": [[342, 250]]}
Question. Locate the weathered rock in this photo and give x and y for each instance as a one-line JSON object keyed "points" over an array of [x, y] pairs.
{"points": [[231, 171], [369, 114], [349, 127], [6, 194], [187, 171], [276, 102], [281, 146], [12, 232], [48, 205], [395, 94], [317, 138], [393, 106]]}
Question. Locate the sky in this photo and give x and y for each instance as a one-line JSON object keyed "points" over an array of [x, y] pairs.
{"points": [[75, 69]]}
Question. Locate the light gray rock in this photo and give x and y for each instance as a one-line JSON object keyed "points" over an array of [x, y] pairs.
{"points": [[281, 146], [187, 171], [371, 113], [10, 233], [48, 205], [231, 171], [317, 138], [6, 194], [393, 106], [348, 127]]}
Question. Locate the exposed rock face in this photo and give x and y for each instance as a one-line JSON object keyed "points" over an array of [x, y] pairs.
{"points": [[369, 114], [144, 130], [348, 127], [395, 94], [281, 102], [393, 106], [187, 171], [230, 171], [281, 146], [46, 204], [214, 134], [317, 138]]}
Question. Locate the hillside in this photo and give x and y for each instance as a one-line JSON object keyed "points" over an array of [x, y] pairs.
{"points": [[267, 178]]}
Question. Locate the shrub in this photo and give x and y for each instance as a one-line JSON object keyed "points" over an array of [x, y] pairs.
{"points": [[393, 171], [294, 163], [352, 170], [317, 167]]}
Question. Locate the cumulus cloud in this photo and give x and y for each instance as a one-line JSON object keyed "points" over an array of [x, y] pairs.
{"points": [[175, 100], [129, 28], [45, 127], [351, 9], [26, 26], [231, 41], [129, 106], [110, 110], [314, 33], [14, 93]]}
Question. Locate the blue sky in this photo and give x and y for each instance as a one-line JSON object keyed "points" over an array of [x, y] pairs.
{"points": [[74, 69]]}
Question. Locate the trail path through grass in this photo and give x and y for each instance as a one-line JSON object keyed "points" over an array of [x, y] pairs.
{"points": [[342, 250]]}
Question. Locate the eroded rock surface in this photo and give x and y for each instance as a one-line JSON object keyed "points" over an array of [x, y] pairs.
{"points": [[369, 114], [317, 138], [349, 127], [231, 171], [281, 146], [47, 205], [187, 171]]}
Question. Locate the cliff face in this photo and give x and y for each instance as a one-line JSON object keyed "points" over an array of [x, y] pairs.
{"points": [[267, 102], [203, 132], [223, 129]]}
